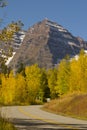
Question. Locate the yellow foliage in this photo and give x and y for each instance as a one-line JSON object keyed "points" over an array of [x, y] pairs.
{"points": [[8, 89], [33, 78], [69, 77], [78, 75], [62, 84], [7, 33], [20, 92], [52, 79]]}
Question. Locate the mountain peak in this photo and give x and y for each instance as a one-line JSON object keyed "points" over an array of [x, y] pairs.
{"points": [[46, 43]]}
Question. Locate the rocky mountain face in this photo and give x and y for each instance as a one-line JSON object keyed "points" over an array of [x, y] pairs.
{"points": [[18, 39], [6, 49], [15, 43], [46, 43]]}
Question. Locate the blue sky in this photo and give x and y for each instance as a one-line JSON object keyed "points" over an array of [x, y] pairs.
{"points": [[71, 14]]}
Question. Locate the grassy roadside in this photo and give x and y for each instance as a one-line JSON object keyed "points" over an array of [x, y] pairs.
{"points": [[5, 125], [74, 105]]}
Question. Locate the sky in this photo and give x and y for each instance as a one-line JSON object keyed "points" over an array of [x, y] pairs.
{"points": [[71, 14]]}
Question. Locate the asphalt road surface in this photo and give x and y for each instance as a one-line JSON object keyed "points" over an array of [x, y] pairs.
{"points": [[33, 118]]}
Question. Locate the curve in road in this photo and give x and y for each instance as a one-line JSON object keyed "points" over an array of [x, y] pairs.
{"points": [[33, 118]]}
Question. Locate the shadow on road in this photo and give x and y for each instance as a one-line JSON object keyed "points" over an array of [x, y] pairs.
{"points": [[31, 124]]}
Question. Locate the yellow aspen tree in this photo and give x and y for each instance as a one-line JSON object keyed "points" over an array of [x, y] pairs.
{"points": [[62, 84], [21, 90], [78, 76], [8, 32], [74, 76], [33, 76], [82, 63], [8, 89], [2, 86], [52, 79]]}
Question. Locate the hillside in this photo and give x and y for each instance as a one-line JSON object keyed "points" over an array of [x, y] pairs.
{"points": [[74, 105], [46, 43]]}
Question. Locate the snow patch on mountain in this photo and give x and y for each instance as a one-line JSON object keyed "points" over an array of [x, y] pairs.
{"points": [[56, 26], [18, 39], [10, 58]]}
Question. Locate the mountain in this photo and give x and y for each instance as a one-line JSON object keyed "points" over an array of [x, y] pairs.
{"points": [[14, 45], [18, 39], [46, 43]]}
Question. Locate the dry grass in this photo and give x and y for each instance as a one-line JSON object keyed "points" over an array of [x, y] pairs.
{"points": [[5, 125], [74, 105]]}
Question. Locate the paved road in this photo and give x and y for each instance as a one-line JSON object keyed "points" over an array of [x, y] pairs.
{"points": [[33, 118]]}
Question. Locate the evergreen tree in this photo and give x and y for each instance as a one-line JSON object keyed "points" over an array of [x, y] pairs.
{"points": [[44, 89]]}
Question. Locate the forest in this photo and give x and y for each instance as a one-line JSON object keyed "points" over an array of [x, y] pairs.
{"points": [[33, 85]]}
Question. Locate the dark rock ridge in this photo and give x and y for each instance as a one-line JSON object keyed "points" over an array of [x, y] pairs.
{"points": [[18, 39], [46, 43]]}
